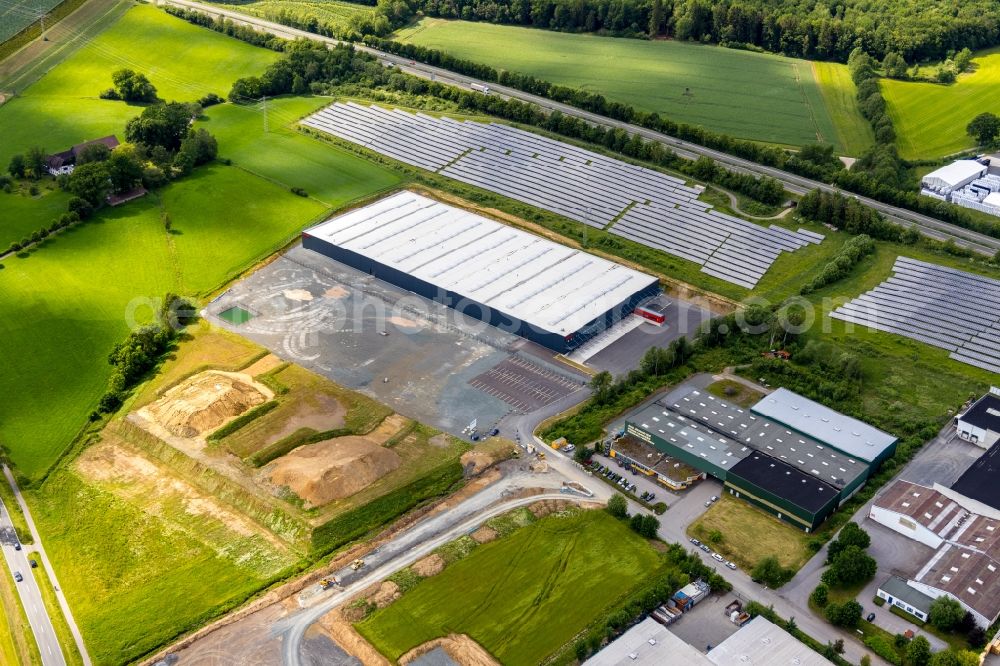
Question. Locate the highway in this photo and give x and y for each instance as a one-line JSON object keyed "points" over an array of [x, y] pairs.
{"points": [[929, 226], [30, 593]]}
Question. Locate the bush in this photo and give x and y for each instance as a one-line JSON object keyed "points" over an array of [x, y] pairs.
{"points": [[945, 613], [81, 207], [211, 99], [878, 601], [883, 648], [820, 596], [299, 191], [660, 508], [618, 506]]}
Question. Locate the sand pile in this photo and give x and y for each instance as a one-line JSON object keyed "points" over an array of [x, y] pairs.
{"points": [[332, 469], [205, 402]]}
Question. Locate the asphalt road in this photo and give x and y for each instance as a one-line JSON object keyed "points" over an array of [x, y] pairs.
{"points": [[797, 184], [39, 548], [31, 595]]}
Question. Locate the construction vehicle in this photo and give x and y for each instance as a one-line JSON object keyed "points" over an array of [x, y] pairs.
{"points": [[327, 583], [541, 455], [559, 443], [357, 564]]}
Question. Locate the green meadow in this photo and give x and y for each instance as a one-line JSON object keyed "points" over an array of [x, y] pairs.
{"points": [[523, 596], [749, 95], [930, 118], [71, 299]]}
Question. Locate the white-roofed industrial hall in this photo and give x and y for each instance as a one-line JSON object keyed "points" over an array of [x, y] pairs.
{"points": [[953, 176], [549, 293]]}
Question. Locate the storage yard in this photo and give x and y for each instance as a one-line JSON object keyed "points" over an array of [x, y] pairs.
{"points": [[965, 183], [640, 204], [937, 305]]}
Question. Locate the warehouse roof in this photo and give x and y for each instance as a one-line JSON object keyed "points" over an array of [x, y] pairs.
{"points": [[985, 413], [966, 574], [770, 437], [787, 482], [979, 482], [697, 440], [763, 643], [648, 642], [956, 173], [550, 286], [851, 436], [925, 506]]}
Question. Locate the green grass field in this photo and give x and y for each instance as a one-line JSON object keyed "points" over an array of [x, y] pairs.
{"points": [[331, 12], [21, 214], [930, 119], [566, 568], [840, 93], [749, 95], [70, 300], [62, 108]]}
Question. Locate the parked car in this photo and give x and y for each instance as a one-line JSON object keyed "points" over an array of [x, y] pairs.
{"points": [[33, 563], [871, 617], [730, 565], [17, 546], [494, 432], [713, 499], [18, 577], [569, 448], [695, 541], [705, 548], [708, 502], [717, 557]]}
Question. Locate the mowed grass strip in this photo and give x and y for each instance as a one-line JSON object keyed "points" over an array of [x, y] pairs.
{"points": [[854, 133], [930, 118], [525, 596], [749, 535], [748, 95]]}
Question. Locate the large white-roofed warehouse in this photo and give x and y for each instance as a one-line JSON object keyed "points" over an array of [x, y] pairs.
{"points": [[549, 293]]}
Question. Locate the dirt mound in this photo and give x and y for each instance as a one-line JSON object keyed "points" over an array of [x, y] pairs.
{"points": [[484, 534], [339, 628], [333, 469], [265, 364], [388, 429], [204, 402], [429, 566], [386, 594], [462, 649], [545, 507]]}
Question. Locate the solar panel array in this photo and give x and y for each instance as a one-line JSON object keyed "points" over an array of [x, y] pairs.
{"points": [[941, 306], [642, 205]]}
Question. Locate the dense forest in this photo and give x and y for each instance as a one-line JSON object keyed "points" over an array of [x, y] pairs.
{"points": [[917, 29]]}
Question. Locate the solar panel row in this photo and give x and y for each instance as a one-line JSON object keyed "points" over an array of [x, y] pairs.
{"points": [[642, 205], [940, 306]]}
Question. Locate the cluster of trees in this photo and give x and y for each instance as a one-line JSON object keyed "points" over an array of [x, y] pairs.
{"points": [[848, 562], [307, 63], [130, 86], [842, 263], [641, 523], [142, 350], [948, 615], [770, 572], [657, 361], [850, 215], [31, 164]]}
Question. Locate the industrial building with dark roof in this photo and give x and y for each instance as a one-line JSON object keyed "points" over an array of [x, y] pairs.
{"points": [[981, 481], [551, 294], [800, 477], [980, 424]]}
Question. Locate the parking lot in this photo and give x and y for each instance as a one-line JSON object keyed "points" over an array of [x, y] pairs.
{"points": [[525, 385]]}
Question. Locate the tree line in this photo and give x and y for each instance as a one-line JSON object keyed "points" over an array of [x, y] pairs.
{"points": [[915, 29]]}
